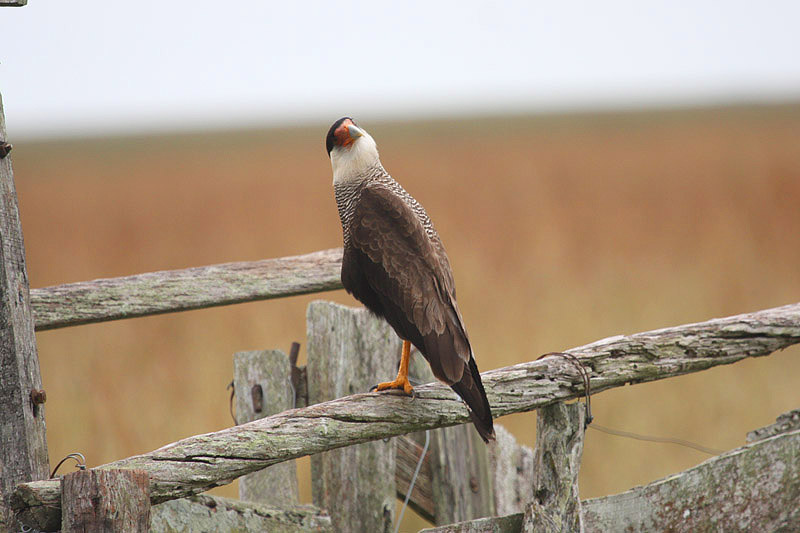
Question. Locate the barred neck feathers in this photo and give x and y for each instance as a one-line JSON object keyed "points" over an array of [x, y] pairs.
{"points": [[358, 163]]}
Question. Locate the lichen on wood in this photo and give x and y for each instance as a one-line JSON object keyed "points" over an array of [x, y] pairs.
{"points": [[263, 387], [752, 488], [198, 463], [23, 443], [169, 291], [211, 514], [556, 506], [105, 500], [458, 466], [783, 424], [350, 351], [494, 524], [511, 470]]}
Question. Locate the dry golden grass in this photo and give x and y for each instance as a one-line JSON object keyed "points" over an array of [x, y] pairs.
{"points": [[561, 230]]}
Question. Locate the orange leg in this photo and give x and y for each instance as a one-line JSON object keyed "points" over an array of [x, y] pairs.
{"points": [[402, 374]]}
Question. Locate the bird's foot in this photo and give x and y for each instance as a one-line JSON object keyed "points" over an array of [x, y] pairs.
{"points": [[400, 383]]}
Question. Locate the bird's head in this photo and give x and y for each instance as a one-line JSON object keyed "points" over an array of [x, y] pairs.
{"points": [[352, 150]]}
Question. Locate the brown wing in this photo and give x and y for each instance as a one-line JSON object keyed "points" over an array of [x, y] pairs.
{"points": [[410, 276]]}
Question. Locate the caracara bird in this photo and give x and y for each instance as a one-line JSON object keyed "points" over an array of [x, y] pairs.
{"points": [[395, 264]]}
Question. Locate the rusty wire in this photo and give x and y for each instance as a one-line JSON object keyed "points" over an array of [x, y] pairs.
{"points": [[618, 432], [584, 375], [79, 459]]}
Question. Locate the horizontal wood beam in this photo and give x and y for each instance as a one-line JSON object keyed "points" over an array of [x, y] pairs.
{"points": [[752, 488], [214, 513], [492, 524], [198, 463], [169, 291], [786, 422]]}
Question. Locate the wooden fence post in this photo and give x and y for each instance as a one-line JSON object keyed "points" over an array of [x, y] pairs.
{"points": [[460, 485], [263, 386], [23, 446], [409, 448], [350, 350], [512, 471], [105, 500], [755, 487], [556, 506], [752, 488]]}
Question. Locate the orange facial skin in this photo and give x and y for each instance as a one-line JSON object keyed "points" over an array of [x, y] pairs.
{"points": [[342, 134]]}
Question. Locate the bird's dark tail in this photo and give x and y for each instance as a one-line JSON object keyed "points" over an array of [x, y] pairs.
{"points": [[470, 388]]}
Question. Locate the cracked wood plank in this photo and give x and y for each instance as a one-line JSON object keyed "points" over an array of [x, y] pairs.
{"points": [[198, 463], [23, 444], [350, 351], [408, 449], [783, 424], [510, 474], [752, 488], [106, 500], [556, 505], [492, 524], [169, 291], [511, 467], [210, 514], [263, 387], [458, 466]]}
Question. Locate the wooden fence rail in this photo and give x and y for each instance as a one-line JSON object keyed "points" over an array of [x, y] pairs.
{"points": [[755, 486], [199, 463], [169, 291], [752, 488]]}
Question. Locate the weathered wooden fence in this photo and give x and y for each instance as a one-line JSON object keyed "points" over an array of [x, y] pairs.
{"points": [[287, 412]]}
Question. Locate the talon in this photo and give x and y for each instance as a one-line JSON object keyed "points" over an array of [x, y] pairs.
{"points": [[400, 384], [402, 374]]}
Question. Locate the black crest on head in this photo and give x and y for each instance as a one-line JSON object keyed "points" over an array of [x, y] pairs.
{"points": [[330, 140]]}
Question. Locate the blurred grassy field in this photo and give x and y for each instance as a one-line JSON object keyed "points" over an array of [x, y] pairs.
{"points": [[562, 229]]}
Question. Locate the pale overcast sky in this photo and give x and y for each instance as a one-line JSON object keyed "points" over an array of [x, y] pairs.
{"points": [[94, 66]]}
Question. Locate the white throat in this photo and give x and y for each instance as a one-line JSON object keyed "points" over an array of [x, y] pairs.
{"points": [[352, 163]]}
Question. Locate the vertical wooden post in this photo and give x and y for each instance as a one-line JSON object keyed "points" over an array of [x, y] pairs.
{"points": [[409, 448], [23, 447], [105, 500], [263, 386], [460, 484], [556, 506], [349, 350], [512, 471]]}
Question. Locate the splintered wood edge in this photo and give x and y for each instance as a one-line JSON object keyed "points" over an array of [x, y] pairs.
{"points": [[170, 291], [201, 462], [759, 478]]}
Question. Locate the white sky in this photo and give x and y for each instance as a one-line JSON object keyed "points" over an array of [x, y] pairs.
{"points": [[93, 66]]}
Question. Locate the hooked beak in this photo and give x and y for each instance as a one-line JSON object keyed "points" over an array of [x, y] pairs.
{"points": [[355, 132]]}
